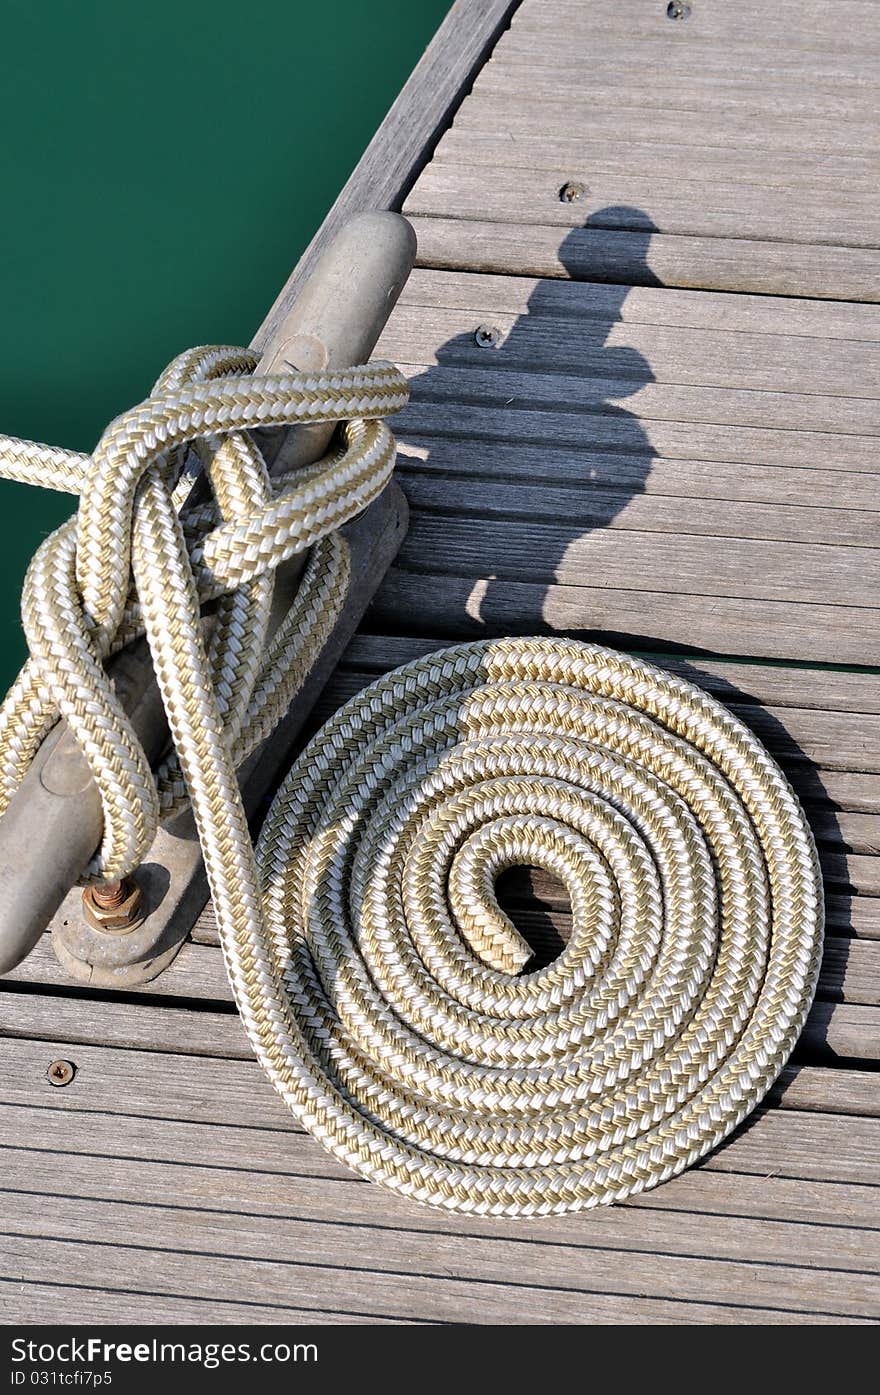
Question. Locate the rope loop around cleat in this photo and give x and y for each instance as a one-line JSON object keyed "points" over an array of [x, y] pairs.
{"points": [[145, 553]]}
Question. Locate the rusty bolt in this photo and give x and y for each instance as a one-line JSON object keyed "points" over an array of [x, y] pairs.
{"points": [[677, 10], [487, 336], [110, 894], [572, 191], [114, 907], [61, 1072]]}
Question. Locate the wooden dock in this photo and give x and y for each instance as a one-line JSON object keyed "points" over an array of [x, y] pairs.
{"points": [[644, 345]]}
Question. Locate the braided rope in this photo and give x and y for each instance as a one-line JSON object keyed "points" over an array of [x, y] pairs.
{"points": [[79, 604], [380, 983]]}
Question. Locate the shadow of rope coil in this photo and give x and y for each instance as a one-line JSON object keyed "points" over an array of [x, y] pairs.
{"points": [[381, 985]]}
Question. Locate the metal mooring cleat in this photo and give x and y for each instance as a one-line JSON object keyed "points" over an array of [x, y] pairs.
{"points": [[126, 934]]}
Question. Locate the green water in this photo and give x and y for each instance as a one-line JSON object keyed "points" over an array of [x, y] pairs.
{"points": [[163, 166]]}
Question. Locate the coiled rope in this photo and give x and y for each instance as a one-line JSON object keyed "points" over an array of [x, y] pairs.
{"points": [[379, 981]]}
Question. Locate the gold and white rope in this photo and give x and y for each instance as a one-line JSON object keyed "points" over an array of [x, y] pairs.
{"points": [[139, 544], [380, 983]]}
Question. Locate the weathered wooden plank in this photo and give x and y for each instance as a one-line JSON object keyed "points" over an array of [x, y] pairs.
{"points": [[166, 1085], [406, 138], [440, 1298], [609, 84], [621, 480], [641, 305], [660, 259], [688, 564], [222, 1192], [827, 1091], [722, 67], [771, 1197], [245, 1168], [833, 1030], [255, 1152], [566, 1267], [171, 1162], [791, 1143], [172, 1085], [197, 974], [117, 1022], [30, 1303], [652, 202], [735, 682], [487, 383], [537, 339], [751, 133], [429, 490], [855, 871], [437, 414], [243, 1187], [851, 971], [483, 606], [853, 26], [859, 916], [840, 1032], [575, 113], [325, 1200]]}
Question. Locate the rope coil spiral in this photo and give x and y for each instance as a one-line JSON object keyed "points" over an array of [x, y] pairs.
{"points": [[381, 984]]}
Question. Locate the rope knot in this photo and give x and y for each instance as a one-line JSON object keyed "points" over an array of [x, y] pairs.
{"points": [[146, 546]]}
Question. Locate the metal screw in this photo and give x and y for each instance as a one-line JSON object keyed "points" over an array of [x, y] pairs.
{"points": [[61, 1072], [677, 10], [571, 192], [114, 907], [487, 336]]}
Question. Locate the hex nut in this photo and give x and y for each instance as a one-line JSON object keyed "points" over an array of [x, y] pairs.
{"points": [[125, 914]]}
